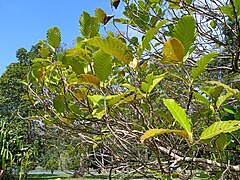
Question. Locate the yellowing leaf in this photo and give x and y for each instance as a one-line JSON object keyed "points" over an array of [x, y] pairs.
{"points": [[173, 51], [154, 132], [90, 79]]}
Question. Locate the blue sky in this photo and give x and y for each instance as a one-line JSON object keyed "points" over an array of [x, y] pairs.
{"points": [[24, 22]]}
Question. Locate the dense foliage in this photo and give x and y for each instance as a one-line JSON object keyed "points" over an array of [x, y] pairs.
{"points": [[160, 99]]}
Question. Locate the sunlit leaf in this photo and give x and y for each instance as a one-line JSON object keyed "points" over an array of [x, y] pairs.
{"points": [[155, 132], [179, 115], [202, 64], [220, 127], [89, 26], [185, 31], [54, 37], [114, 47], [102, 64]]}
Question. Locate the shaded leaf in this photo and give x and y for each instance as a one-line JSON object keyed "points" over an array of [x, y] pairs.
{"points": [[59, 103], [173, 51], [149, 36], [100, 14], [115, 3], [90, 79], [221, 141]]}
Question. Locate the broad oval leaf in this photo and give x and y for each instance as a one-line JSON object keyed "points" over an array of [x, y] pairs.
{"points": [[114, 47], [89, 26], [179, 115], [220, 127], [54, 37], [100, 14], [184, 31], [59, 104], [173, 51], [90, 79], [102, 64], [155, 132]]}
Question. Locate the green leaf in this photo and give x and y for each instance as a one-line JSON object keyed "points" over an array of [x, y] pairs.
{"points": [[202, 64], [221, 141], [102, 64], [227, 10], [228, 88], [201, 98], [179, 115], [54, 37], [114, 47], [220, 127], [59, 103], [213, 24], [155, 132], [89, 26], [100, 14], [173, 51], [82, 54], [115, 3], [131, 98], [149, 36], [151, 82], [222, 99], [184, 31]]}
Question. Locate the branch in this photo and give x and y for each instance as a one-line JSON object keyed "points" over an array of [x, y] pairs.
{"points": [[178, 158]]}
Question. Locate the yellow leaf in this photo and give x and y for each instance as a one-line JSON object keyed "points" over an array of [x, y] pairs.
{"points": [[173, 51], [90, 79], [154, 132]]}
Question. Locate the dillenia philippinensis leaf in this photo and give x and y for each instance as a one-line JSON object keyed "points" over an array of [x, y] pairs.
{"points": [[179, 114], [89, 26], [102, 64], [101, 15], [184, 31], [220, 127], [202, 64], [114, 47], [173, 51], [151, 81], [90, 79], [115, 3], [155, 132], [54, 37]]}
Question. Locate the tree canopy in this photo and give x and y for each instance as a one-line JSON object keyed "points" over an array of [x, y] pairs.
{"points": [[160, 98]]}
